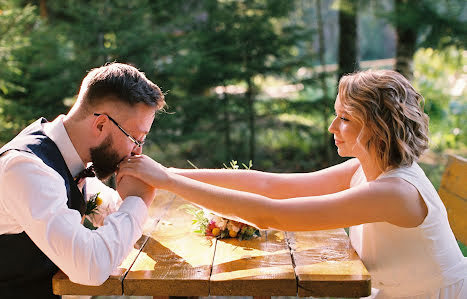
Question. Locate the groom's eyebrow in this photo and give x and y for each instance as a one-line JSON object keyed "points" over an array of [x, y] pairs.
{"points": [[142, 131]]}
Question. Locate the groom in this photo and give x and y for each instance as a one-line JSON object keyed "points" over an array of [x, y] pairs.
{"points": [[41, 198]]}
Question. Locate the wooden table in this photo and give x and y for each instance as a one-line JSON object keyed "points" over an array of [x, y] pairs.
{"points": [[171, 260]]}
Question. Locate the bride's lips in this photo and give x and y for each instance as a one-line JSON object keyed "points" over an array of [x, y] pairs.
{"points": [[337, 141]]}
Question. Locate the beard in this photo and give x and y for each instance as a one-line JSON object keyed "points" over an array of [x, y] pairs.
{"points": [[105, 159]]}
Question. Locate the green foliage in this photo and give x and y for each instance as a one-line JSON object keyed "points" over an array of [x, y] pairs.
{"points": [[438, 24], [248, 232], [199, 221], [234, 165], [191, 48], [15, 25], [463, 248], [88, 224], [434, 172], [440, 78]]}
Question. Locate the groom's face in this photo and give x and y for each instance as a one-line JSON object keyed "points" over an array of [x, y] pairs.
{"points": [[105, 159], [134, 121]]}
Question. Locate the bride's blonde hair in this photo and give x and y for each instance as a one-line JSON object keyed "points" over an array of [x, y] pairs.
{"points": [[391, 113]]}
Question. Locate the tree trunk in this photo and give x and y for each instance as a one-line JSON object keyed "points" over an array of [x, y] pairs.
{"points": [[406, 41], [251, 118], [43, 9], [228, 142], [348, 36], [324, 86]]}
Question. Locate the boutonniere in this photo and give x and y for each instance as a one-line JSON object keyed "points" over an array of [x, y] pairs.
{"points": [[92, 206], [93, 203]]}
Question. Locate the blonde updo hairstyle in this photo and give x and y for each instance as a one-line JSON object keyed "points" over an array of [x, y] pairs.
{"points": [[391, 113]]}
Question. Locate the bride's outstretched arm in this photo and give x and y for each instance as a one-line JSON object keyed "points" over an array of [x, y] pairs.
{"points": [[277, 185], [391, 200]]}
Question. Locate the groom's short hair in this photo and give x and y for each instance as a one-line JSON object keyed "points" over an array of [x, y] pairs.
{"points": [[119, 82]]}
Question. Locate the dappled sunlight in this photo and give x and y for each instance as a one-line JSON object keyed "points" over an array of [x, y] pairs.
{"points": [[144, 263], [127, 262], [232, 252], [344, 267], [188, 250], [254, 272]]}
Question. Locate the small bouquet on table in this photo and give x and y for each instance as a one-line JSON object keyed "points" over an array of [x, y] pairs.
{"points": [[209, 224]]}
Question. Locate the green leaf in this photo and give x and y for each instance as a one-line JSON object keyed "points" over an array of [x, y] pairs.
{"points": [[88, 224]]}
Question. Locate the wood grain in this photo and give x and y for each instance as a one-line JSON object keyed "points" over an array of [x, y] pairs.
{"points": [[327, 265], [257, 267], [171, 260], [453, 192], [174, 261], [61, 284]]}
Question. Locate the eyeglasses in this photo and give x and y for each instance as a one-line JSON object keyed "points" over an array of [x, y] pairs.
{"points": [[133, 139]]}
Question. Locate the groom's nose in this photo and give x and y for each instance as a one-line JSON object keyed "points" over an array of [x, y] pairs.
{"points": [[137, 150]]}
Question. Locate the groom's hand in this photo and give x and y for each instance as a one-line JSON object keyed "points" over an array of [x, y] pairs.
{"points": [[131, 186]]}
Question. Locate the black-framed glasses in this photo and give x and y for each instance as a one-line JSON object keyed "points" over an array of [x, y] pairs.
{"points": [[133, 139]]}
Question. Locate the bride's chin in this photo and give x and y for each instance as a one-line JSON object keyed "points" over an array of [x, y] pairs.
{"points": [[344, 154]]}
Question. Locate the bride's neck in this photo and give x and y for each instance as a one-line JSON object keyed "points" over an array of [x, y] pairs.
{"points": [[370, 167]]}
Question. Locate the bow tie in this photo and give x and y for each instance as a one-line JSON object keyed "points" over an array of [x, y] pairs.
{"points": [[87, 172]]}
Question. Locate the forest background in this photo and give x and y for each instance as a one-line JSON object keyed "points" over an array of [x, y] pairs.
{"points": [[244, 79]]}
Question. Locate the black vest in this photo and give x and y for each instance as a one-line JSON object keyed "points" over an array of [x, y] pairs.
{"points": [[25, 271]]}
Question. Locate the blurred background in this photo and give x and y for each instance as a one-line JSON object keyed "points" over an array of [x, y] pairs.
{"points": [[244, 79]]}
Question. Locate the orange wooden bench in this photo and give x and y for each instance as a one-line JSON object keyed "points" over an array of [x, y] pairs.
{"points": [[453, 192]]}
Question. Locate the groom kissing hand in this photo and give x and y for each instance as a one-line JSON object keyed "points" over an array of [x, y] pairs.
{"points": [[42, 203]]}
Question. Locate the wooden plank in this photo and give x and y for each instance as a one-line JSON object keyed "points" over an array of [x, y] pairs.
{"points": [[457, 214], [174, 261], [61, 284], [257, 267], [455, 176], [326, 265], [453, 192]]}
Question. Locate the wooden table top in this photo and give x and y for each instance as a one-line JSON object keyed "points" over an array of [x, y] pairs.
{"points": [[170, 260]]}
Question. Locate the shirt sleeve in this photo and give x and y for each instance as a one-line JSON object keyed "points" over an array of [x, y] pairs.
{"points": [[37, 201]]}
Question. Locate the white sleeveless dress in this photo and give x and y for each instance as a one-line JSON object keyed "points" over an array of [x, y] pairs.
{"points": [[420, 262]]}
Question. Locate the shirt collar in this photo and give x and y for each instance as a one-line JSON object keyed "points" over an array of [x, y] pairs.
{"points": [[56, 131]]}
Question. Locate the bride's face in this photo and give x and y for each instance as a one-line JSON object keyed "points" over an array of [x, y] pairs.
{"points": [[346, 131]]}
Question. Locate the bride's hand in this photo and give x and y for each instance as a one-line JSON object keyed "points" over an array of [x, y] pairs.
{"points": [[145, 169]]}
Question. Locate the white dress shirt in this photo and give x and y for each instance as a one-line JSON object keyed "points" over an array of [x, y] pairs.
{"points": [[33, 199]]}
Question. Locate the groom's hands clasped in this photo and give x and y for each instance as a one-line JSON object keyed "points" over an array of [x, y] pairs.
{"points": [[145, 169], [129, 184]]}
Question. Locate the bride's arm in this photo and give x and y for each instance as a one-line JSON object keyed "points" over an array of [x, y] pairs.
{"points": [[389, 200], [392, 200], [277, 185]]}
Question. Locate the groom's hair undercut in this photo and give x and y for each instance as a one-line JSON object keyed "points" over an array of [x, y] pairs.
{"points": [[122, 83]]}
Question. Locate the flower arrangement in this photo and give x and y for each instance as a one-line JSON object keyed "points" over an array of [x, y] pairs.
{"points": [[207, 223], [212, 225], [92, 206]]}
